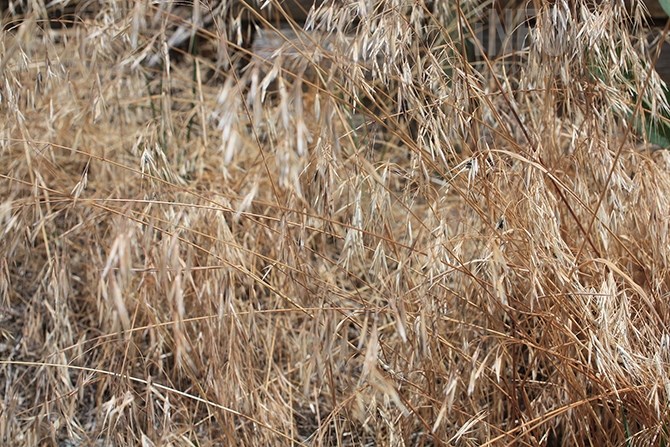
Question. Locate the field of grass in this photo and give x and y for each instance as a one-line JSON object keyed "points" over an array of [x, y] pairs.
{"points": [[371, 232]]}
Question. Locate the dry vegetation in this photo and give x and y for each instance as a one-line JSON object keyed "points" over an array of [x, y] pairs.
{"points": [[362, 236]]}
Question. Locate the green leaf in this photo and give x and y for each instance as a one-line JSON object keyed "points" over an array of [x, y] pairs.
{"points": [[656, 131], [665, 4]]}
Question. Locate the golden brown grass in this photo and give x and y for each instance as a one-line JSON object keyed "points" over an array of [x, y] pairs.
{"points": [[360, 237]]}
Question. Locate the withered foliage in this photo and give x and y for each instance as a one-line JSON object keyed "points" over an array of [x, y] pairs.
{"points": [[378, 222]]}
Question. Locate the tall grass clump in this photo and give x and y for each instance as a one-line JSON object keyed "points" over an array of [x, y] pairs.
{"points": [[376, 222]]}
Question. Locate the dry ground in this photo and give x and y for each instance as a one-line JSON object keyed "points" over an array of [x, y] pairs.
{"points": [[362, 236]]}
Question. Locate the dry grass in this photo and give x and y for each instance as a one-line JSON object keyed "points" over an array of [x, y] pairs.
{"points": [[364, 237]]}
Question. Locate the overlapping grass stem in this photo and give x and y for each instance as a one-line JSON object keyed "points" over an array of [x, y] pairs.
{"points": [[381, 226]]}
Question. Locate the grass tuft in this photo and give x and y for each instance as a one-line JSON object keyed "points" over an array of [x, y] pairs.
{"points": [[379, 222]]}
